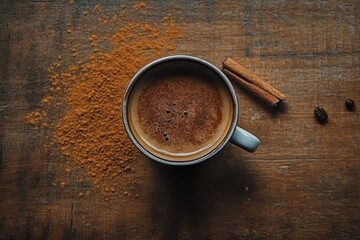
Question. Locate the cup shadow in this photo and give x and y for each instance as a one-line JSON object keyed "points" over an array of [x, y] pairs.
{"points": [[190, 197]]}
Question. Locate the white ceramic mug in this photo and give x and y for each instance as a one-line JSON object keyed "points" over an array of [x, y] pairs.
{"points": [[233, 133]]}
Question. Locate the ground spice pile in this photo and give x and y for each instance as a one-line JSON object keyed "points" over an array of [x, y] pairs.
{"points": [[90, 131]]}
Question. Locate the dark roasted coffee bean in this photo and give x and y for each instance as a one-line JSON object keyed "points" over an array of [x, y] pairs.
{"points": [[350, 104], [321, 115]]}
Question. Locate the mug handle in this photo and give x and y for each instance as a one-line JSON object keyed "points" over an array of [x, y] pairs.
{"points": [[244, 139]]}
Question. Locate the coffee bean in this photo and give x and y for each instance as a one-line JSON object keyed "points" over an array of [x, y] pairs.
{"points": [[321, 115], [350, 104]]}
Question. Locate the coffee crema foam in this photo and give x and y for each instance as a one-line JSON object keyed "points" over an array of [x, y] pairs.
{"points": [[180, 112]]}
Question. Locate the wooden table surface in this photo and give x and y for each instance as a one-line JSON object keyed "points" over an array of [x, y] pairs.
{"points": [[302, 183]]}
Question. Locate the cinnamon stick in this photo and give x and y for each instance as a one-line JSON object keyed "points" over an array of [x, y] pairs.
{"points": [[266, 97], [244, 73]]}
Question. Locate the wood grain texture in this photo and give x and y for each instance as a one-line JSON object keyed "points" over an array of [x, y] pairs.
{"points": [[302, 183]]}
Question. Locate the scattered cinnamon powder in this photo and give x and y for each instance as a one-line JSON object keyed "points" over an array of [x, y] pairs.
{"points": [[37, 119], [87, 95], [97, 8], [138, 6], [46, 100]]}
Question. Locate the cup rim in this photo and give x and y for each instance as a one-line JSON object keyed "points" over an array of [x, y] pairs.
{"points": [[184, 58]]}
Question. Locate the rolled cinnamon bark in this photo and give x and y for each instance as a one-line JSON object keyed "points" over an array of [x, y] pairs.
{"points": [[260, 93], [252, 83]]}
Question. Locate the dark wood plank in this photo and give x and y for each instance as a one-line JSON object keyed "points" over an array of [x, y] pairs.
{"points": [[302, 183]]}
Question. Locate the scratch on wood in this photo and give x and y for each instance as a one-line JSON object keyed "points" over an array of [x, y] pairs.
{"points": [[3, 108], [284, 169], [308, 54]]}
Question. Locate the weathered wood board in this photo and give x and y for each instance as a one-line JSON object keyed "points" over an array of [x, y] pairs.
{"points": [[302, 183]]}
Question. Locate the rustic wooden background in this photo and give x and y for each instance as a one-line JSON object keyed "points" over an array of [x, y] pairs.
{"points": [[302, 183]]}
